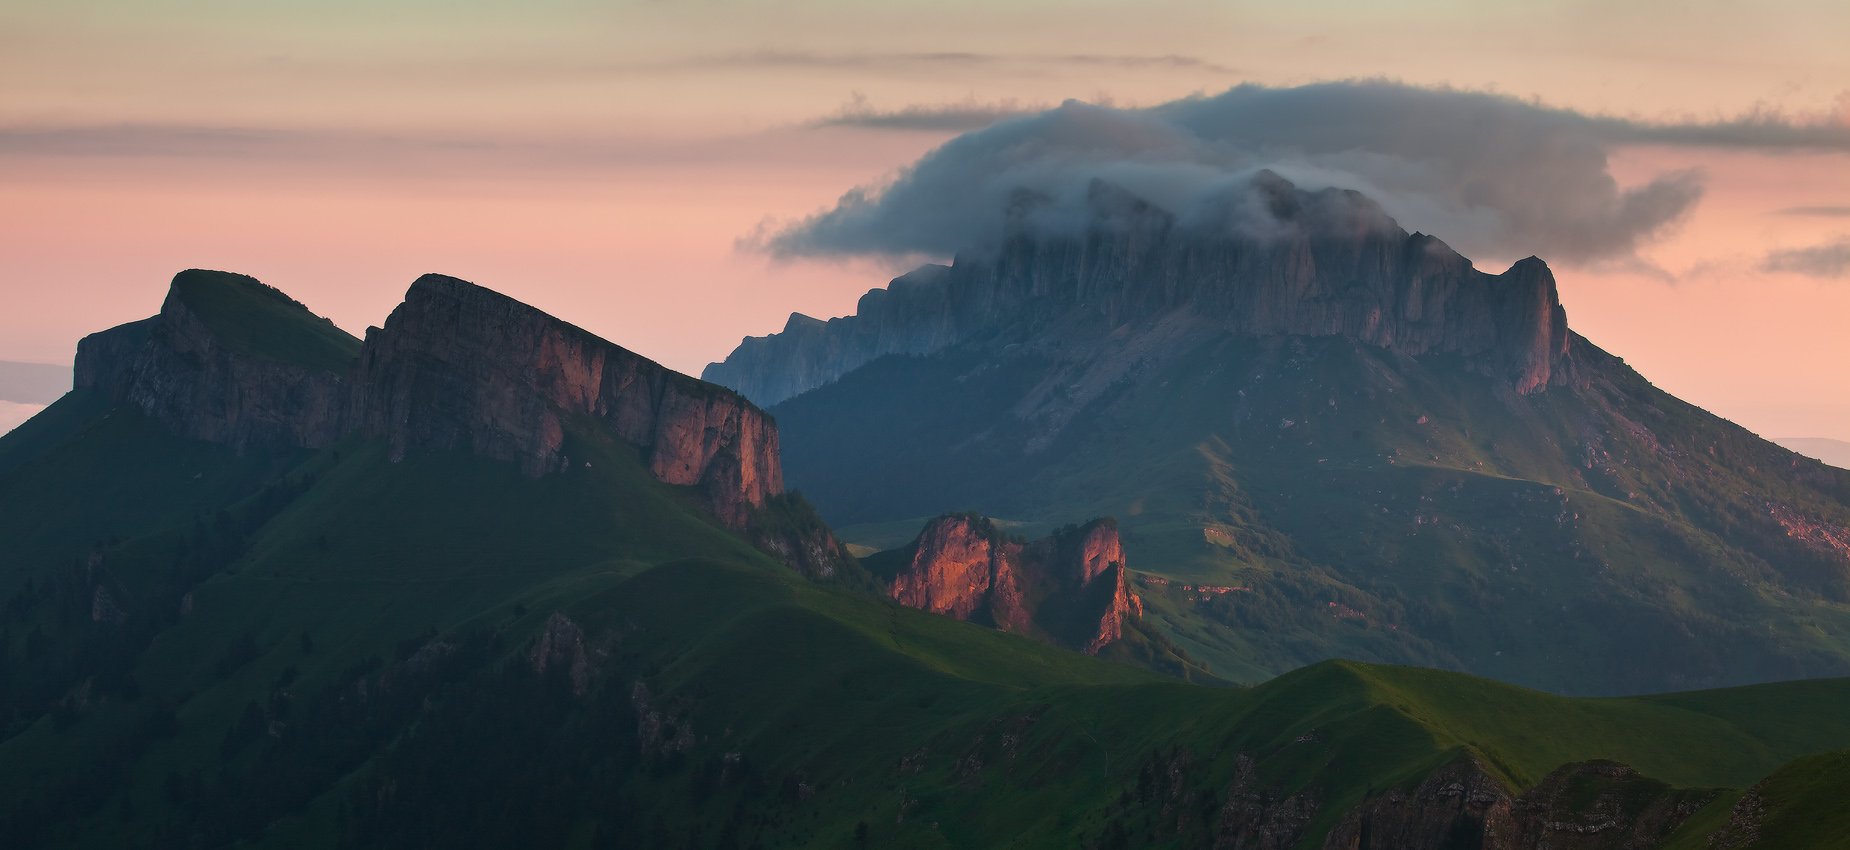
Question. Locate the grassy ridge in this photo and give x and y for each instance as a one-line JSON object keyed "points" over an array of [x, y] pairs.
{"points": [[253, 317]]}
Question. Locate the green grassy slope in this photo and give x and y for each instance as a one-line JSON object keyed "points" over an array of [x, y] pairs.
{"points": [[256, 318], [1345, 501], [342, 651]]}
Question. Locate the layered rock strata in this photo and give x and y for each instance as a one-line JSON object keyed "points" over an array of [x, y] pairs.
{"points": [[1324, 263], [460, 367], [191, 377], [1069, 587], [456, 367]]}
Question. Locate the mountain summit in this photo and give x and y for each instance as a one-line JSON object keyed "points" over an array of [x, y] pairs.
{"points": [[1272, 260], [1322, 436], [229, 360]]}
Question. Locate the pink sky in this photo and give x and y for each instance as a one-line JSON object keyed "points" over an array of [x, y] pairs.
{"points": [[602, 164]]}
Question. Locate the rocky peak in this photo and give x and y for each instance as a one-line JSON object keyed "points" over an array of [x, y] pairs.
{"points": [[228, 360], [799, 322], [1268, 259], [1068, 588], [457, 366]]}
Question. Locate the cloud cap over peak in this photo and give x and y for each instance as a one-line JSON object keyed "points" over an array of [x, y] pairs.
{"points": [[1496, 176]]}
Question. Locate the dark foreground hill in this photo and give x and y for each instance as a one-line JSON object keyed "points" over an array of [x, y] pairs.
{"points": [[452, 625], [1337, 439]]}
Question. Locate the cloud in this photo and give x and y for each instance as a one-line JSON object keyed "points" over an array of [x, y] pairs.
{"points": [[1828, 259], [898, 63], [965, 115], [1762, 129], [402, 154], [1826, 212], [937, 60], [1496, 176]]}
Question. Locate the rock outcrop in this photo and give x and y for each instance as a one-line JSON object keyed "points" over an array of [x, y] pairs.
{"points": [[1325, 263], [1453, 806], [456, 367], [1595, 805], [1068, 588], [211, 375]]}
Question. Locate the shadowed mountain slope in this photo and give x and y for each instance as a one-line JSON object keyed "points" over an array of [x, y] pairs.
{"points": [[379, 644], [1333, 440]]}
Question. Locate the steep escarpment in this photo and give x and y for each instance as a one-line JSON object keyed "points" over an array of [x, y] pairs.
{"points": [[912, 314], [457, 366], [1324, 263], [1068, 588], [228, 360]]}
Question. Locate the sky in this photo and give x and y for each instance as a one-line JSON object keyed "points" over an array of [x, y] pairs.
{"points": [[654, 171]]}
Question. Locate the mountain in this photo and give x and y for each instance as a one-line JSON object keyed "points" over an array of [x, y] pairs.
{"points": [[1322, 436], [1833, 452], [1342, 269], [499, 595]]}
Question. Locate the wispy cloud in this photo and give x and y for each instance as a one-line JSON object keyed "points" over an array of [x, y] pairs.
{"points": [[529, 68], [1824, 212], [936, 59], [425, 153], [1762, 129], [1766, 131], [1827, 260], [969, 114]]}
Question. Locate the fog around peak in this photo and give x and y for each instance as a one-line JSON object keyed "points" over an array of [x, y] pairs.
{"points": [[1492, 175]]}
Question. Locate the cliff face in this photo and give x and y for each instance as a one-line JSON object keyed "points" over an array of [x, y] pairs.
{"points": [[198, 380], [1580, 806], [1326, 263], [913, 314], [460, 367], [1068, 588], [457, 367]]}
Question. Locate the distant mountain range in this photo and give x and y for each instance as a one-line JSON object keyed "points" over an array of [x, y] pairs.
{"points": [[1833, 452], [33, 383], [483, 579], [25, 389], [1321, 436]]}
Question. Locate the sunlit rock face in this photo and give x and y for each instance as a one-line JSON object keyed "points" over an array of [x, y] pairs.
{"points": [[1281, 261], [181, 370], [456, 367], [1068, 588]]}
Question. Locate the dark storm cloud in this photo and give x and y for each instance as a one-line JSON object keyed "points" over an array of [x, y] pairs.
{"points": [[1493, 175]]}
